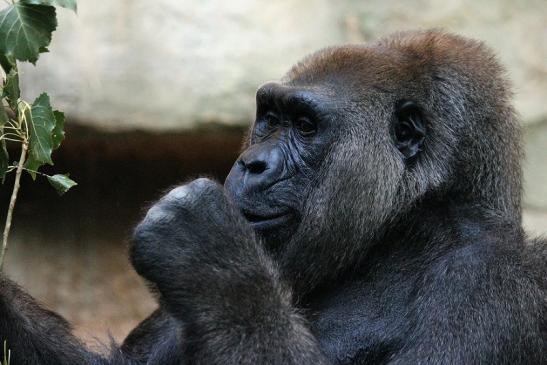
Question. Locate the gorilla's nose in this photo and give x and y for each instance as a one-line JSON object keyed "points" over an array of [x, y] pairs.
{"points": [[258, 168], [254, 164]]}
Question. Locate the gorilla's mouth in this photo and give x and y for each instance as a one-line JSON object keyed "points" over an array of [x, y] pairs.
{"points": [[266, 220]]}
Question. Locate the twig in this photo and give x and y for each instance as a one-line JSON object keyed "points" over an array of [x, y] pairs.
{"points": [[16, 184]]}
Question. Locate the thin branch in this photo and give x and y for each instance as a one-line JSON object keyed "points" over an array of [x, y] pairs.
{"points": [[7, 126], [36, 172], [16, 184], [8, 134], [10, 139]]}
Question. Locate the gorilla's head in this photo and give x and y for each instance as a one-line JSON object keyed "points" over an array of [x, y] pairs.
{"points": [[355, 137]]}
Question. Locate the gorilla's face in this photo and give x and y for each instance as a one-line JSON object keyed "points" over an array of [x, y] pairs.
{"points": [[354, 137], [271, 179], [323, 156]]}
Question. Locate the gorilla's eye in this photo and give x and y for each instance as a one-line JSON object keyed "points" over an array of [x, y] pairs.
{"points": [[305, 126], [272, 120]]}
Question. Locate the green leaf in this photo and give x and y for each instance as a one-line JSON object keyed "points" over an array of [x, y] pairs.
{"points": [[7, 63], [61, 183], [69, 4], [4, 157], [41, 123], [25, 29], [3, 115], [46, 134], [11, 88], [59, 130]]}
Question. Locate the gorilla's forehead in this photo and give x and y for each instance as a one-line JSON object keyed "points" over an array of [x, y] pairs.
{"points": [[389, 65], [348, 78], [338, 68]]}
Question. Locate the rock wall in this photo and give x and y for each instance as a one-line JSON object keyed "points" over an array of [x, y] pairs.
{"points": [[169, 65]]}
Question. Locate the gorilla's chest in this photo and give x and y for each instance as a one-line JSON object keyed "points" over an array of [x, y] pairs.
{"points": [[358, 324]]}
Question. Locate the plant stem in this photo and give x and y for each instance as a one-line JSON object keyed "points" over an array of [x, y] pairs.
{"points": [[16, 184]]}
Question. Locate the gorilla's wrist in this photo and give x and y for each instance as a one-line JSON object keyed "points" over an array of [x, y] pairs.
{"points": [[237, 301], [231, 287]]}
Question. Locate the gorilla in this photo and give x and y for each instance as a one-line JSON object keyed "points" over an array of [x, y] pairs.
{"points": [[374, 217]]}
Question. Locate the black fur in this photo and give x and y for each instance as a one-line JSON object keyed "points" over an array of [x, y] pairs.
{"points": [[374, 217]]}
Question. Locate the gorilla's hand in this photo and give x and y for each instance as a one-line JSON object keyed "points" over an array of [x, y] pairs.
{"points": [[194, 244], [216, 279]]}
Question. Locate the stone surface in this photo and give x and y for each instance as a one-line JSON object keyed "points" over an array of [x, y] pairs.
{"points": [[535, 167], [535, 222], [169, 64], [172, 64]]}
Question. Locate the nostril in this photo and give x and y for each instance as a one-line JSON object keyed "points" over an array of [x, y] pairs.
{"points": [[256, 167]]}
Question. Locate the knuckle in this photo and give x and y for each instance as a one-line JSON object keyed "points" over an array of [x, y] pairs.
{"points": [[203, 182], [203, 186], [180, 193], [158, 213], [208, 188]]}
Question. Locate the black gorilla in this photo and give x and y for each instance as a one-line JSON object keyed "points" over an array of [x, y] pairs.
{"points": [[374, 217]]}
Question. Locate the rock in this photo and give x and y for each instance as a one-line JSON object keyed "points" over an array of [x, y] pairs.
{"points": [[535, 223], [535, 167], [167, 65]]}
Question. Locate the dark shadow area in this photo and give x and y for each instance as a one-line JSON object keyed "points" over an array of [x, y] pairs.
{"points": [[70, 251]]}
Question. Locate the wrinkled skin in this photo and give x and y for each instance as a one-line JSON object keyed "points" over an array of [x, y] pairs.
{"points": [[287, 145], [372, 218]]}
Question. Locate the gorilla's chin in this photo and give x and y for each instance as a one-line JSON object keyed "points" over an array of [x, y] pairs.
{"points": [[267, 221], [275, 229]]}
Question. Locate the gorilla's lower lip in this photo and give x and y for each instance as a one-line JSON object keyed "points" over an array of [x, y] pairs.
{"points": [[262, 221]]}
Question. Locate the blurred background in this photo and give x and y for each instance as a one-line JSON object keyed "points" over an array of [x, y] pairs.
{"points": [[157, 92]]}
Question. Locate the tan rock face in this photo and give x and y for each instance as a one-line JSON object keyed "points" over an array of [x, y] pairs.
{"points": [[172, 64], [535, 171]]}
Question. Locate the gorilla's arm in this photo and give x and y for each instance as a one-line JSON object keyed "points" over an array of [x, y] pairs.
{"points": [[216, 279], [36, 335], [160, 332]]}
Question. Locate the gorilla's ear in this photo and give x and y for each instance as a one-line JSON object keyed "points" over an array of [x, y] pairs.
{"points": [[408, 129]]}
